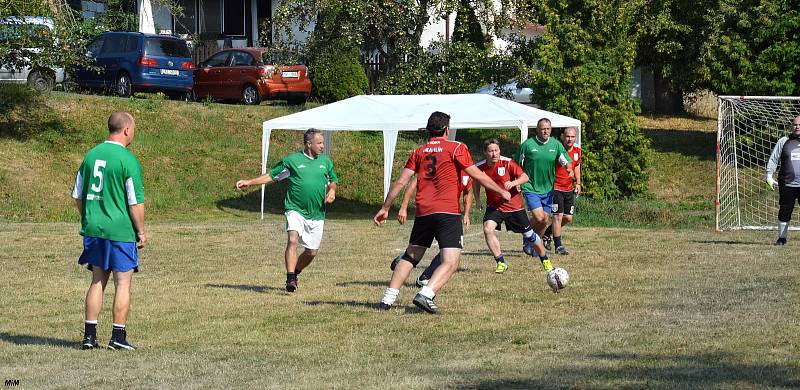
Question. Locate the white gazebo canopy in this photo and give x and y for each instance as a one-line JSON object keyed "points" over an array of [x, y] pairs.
{"points": [[394, 113]]}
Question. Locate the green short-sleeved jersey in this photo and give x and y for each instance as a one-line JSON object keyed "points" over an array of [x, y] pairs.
{"points": [[539, 160], [308, 183], [108, 181]]}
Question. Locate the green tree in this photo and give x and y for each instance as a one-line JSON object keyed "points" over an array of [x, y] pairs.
{"points": [[755, 49], [581, 67], [467, 27], [672, 35]]}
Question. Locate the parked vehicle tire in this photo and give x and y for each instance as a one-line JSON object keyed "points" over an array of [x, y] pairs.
{"points": [[296, 101], [250, 95], [40, 80], [123, 86]]}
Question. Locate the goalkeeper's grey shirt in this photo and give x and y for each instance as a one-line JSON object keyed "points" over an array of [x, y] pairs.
{"points": [[786, 154]]}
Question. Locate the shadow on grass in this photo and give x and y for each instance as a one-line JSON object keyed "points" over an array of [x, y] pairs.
{"points": [[683, 371], [24, 113], [246, 287], [698, 144], [37, 340], [729, 242], [367, 305], [342, 208], [371, 283]]}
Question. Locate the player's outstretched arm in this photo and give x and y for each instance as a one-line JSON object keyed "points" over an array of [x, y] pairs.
{"points": [[518, 182], [263, 179], [486, 181], [137, 217], [469, 200], [331, 195], [394, 190], [402, 214]]}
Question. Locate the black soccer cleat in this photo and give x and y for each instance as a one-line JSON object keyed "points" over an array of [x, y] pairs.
{"points": [[384, 306], [117, 343], [781, 241], [291, 285], [89, 342], [562, 251], [426, 304], [548, 242]]}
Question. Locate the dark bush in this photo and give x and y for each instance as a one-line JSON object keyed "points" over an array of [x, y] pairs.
{"points": [[337, 73]]}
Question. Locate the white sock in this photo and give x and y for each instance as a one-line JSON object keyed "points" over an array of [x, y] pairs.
{"points": [[427, 292], [390, 295], [783, 229], [528, 234]]}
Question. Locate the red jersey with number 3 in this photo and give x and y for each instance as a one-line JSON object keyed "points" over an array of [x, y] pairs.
{"points": [[563, 181], [504, 170], [439, 165]]}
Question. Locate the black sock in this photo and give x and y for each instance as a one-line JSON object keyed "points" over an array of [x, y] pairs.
{"points": [[557, 241], [118, 332], [549, 231], [89, 329], [500, 259], [290, 276]]}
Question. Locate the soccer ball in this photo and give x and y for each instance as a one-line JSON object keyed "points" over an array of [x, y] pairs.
{"points": [[557, 278]]}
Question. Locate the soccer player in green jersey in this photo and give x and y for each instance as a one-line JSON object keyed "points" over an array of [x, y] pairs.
{"points": [[312, 185], [109, 194], [538, 157]]}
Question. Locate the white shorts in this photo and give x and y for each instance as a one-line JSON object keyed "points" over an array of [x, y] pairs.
{"points": [[310, 230]]}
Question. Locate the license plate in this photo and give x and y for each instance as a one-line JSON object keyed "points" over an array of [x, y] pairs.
{"points": [[171, 72], [294, 74]]}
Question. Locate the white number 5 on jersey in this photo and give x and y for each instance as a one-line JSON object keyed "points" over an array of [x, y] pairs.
{"points": [[98, 173]]}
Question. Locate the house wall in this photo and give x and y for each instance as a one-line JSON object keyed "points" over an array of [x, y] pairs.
{"points": [[300, 35]]}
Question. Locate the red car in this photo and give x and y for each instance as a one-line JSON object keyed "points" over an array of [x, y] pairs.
{"points": [[241, 74]]}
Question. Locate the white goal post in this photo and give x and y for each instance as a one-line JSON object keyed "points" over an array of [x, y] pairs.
{"points": [[747, 129]]}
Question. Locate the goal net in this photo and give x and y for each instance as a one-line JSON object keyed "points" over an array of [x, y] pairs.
{"points": [[747, 129]]}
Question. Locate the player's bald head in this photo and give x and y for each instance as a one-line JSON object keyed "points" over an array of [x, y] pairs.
{"points": [[118, 121]]}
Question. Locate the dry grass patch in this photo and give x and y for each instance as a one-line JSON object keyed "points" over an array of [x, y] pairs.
{"points": [[645, 309]]}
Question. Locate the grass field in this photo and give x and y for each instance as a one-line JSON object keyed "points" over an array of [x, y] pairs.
{"points": [[645, 309], [656, 299]]}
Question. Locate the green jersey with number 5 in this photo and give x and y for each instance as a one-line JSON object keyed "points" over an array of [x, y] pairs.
{"points": [[108, 181]]}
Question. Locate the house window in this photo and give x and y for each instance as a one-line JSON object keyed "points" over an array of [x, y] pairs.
{"points": [[234, 17], [186, 24], [210, 16]]}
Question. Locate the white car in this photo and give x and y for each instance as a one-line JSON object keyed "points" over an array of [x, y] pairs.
{"points": [[40, 78], [511, 90]]}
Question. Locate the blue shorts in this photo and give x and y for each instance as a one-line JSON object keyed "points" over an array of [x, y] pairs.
{"points": [[117, 256], [536, 201]]}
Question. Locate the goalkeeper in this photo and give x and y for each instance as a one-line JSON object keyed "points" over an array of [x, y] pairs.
{"points": [[785, 158]]}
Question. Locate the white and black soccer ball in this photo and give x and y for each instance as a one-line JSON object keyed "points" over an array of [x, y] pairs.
{"points": [[557, 278]]}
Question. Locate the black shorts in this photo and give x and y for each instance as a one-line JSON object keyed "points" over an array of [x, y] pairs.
{"points": [[564, 202], [516, 221], [445, 228]]}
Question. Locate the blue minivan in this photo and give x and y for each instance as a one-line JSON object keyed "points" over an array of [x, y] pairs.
{"points": [[133, 61]]}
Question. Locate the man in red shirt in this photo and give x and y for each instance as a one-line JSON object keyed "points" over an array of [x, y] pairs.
{"points": [[509, 175], [438, 165], [564, 192], [402, 215]]}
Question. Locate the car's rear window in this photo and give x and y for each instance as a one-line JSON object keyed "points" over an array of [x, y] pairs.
{"points": [[166, 47], [14, 31]]}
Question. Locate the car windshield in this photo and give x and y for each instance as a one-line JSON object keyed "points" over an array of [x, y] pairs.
{"points": [[16, 31], [166, 47]]}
